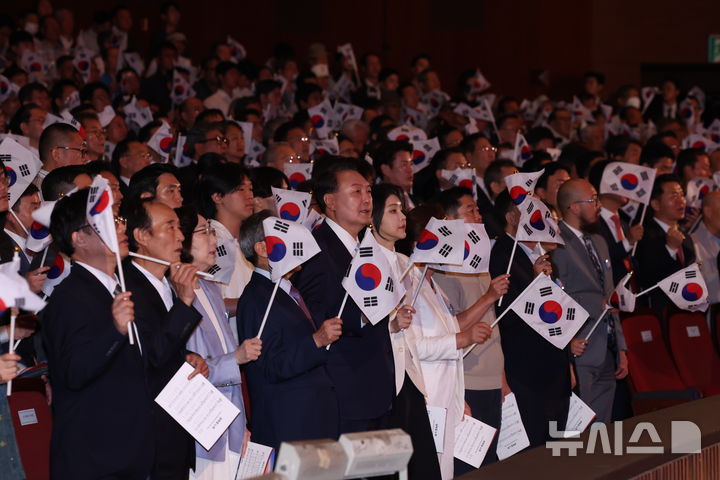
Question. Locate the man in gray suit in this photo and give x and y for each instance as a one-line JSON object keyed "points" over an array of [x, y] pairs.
{"points": [[583, 266]]}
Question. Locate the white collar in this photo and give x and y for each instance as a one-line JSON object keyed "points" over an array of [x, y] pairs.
{"points": [[125, 180], [574, 230], [284, 284], [108, 282], [161, 286], [662, 224], [344, 236], [531, 254], [392, 259], [21, 242], [607, 215]]}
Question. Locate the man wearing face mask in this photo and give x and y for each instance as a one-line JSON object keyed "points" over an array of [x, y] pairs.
{"points": [[583, 267]]}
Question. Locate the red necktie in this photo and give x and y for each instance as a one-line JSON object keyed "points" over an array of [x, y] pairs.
{"points": [[681, 256], [618, 228], [295, 294]]}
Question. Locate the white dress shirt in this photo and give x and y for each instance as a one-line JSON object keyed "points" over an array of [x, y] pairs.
{"points": [[607, 217], [108, 282], [161, 286]]}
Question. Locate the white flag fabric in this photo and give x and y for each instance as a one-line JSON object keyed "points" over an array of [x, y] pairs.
{"points": [[648, 94], [536, 223], [548, 310], [479, 83], [21, 167], [162, 141], [59, 270], [622, 297], [322, 117], [289, 244], [483, 112], [407, 132], [225, 255], [324, 147], [39, 232], [713, 131], [291, 205], [416, 117], [51, 119], [476, 252], [580, 111], [346, 50], [7, 88], [237, 50], [180, 157], [15, 289], [370, 283], [137, 114], [687, 289], [435, 101], [521, 152], [697, 189], [423, 152], [181, 88], [346, 111], [106, 116], [298, 173], [441, 242], [628, 180], [134, 61], [520, 185], [313, 220], [461, 177], [700, 142], [99, 213]]}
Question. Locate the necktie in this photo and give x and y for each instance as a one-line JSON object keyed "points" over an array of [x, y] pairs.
{"points": [[681, 256], [295, 294], [594, 260], [618, 227]]}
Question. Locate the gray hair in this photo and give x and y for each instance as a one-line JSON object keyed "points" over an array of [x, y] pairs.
{"points": [[251, 232]]}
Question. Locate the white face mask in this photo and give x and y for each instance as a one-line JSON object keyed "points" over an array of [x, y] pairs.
{"points": [[633, 102], [31, 28]]}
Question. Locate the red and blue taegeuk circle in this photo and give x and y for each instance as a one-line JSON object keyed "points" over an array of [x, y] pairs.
{"points": [[536, 220], [427, 240], [289, 211], [518, 194], [276, 248], [368, 277], [57, 268], [692, 292], [629, 181], [550, 311], [101, 204]]}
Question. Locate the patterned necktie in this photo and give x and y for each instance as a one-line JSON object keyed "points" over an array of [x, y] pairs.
{"points": [[594, 260], [295, 294]]}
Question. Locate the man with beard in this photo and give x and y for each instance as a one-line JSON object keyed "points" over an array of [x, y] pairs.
{"points": [[584, 268]]}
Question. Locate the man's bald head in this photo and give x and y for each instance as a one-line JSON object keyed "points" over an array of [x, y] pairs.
{"points": [[572, 191], [711, 212], [711, 201], [57, 134]]}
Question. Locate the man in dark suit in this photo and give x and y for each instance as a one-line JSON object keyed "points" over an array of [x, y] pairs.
{"points": [[583, 267], [664, 249], [291, 394], [537, 372], [129, 157], [165, 318], [102, 426], [360, 364]]}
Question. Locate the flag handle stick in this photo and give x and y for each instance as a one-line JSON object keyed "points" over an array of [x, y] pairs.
{"points": [[695, 224], [121, 276], [11, 347], [646, 291], [642, 220], [497, 133], [407, 270], [267, 310], [45, 252], [516, 299], [18, 221], [512, 256], [163, 262], [597, 322], [342, 307], [417, 290]]}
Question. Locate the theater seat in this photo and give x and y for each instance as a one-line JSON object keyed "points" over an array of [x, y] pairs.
{"points": [[33, 426], [692, 348], [655, 382]]}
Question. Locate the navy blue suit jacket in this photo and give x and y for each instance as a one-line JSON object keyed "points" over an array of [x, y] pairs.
{"points": [[291, 395], [102, 425], [360, 363]]}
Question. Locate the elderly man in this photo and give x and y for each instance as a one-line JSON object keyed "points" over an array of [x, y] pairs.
{"points": [[707, 244]]}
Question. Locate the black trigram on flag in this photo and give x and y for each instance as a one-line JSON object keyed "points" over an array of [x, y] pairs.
{"points": [[453, 179], [297, 249], [529, 308], [640, 193], [20, 302], [529, 182], [530, 207], [24, 170], [644, 175], [278, 198], [93, 193], [570, 314], [370, 301], [551, 232], [614, 187], [214, 269], [555, 331], [674, 287], [474, 237], [5, 157], [221, 251], [389, 286], [527, 229], [281, 226], [475, 261], [445, 250], [690, 274], [365, 252], [545, 291], [444, 231], [618, 170]]}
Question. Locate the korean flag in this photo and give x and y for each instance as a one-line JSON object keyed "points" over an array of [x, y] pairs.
{"points": [[289, 244], [687, 289], [100, 214], [476, 252], [225, 256], [442, 241], [423, 152], [291, 205], [536, 223], [628, 180], [162, 141], [520, 185], [21, 167], [298, 173]]}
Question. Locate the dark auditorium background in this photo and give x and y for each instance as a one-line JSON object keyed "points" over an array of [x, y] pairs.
{"points": [[512, 41]]}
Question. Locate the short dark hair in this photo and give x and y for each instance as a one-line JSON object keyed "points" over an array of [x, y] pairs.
{"points": [[264, 178], [223, 67], [550, 169], [380, 193], [188, 217], [596, 75], [21, 116], [87, 91], [146, 180], [493, 173], [688, 158], [60, 181], [137, 217], [121, 150], [221, 179], [503, 205], [449, 199], [653, 152], [441, 156], [468, 144], [618, 145], [68, 216], [282, 132], [251, 232], [29, 190], [536, 134], [52, 137], [25, 93], [264, 87], [660, 181], [385, 153], [326, 181]]}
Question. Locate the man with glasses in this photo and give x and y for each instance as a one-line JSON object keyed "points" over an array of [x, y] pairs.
{"points": [[508, 128], [278, 154], [393, 161], [129, 157], [294, 134], [584, 268], [95, 135], [60, 145], [29, 121]]}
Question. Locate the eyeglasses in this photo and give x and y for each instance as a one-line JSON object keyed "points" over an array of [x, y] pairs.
{"points": [[298, 139], [218, 139], [98, 133], [83, 150], [488, 149], [591, 200], [205, 230], [120, 220], [146, 155]]}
